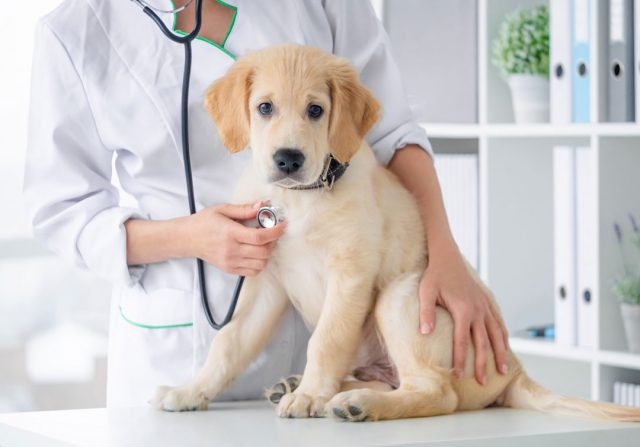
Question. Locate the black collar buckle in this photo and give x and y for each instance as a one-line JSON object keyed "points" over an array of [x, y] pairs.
{"points": [[328, 176]]}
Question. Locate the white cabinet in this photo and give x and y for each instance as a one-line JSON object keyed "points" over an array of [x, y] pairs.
{"points": [[516, 207]]}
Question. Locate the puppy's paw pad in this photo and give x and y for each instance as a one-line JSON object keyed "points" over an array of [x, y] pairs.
{"points": [[346, 407], [354, 411], [339, 412], [284, 386]]}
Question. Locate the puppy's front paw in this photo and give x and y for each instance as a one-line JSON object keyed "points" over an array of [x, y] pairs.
{"points": [[300, 405], [350, 406], [179, 399], [284, 386]]}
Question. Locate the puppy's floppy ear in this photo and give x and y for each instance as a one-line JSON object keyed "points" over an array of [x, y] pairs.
{"points": [[227, 101], [354, 110]]}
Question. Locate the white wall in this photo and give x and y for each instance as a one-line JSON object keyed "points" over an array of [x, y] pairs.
{"points": [[16, 47], [43, 300]]}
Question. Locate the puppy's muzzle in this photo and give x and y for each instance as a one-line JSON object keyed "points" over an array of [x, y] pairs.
{"points": [[288, 160]]}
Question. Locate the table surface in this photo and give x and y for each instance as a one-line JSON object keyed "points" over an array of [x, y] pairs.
{"points": [[255, 423]]}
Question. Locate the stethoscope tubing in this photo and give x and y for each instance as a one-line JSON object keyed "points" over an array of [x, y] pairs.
{"points": [[186, 79]]}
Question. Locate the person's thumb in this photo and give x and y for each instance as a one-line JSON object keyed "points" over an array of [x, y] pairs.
{"points": [[428, 296], [240, 212]]}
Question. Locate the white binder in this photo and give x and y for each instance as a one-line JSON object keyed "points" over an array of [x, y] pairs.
{"points": [[631, 395], [617, 389], [636, 66], [458, 175], [564, 215], [560, 53], [586, 239], [623, 393]]}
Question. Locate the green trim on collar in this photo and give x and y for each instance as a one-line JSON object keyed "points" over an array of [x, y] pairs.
{"points": [[148, 326], [204, 39], [233, 20]]}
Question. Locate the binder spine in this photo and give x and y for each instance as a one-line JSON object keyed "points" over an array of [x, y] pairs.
{"points": [[581, 72], [560, 53], [620, 62], [586, 238], [564, 192], [636, 66]]}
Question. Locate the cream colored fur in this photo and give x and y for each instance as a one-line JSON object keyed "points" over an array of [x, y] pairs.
{"points": [[350, 261]]}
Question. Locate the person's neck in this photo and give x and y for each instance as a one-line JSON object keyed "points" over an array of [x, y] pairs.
{"points": [[216, 19]]}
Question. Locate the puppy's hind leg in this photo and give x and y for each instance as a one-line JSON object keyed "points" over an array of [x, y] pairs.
{"points": [[285, 386], [427, 395], [425, 386]]}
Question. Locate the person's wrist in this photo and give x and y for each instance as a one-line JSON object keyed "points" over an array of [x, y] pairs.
{"points": [[443, 245], [180, 238]]}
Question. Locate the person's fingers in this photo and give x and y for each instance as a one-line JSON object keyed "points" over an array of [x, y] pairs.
{"points": [[256, 251], [239, 212], [481, 346], [258, 236], [252, 264], [244, 272], [462, 327], [428, 297], [497, 343]]}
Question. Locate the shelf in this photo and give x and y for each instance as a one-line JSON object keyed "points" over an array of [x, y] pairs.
{"points": [[444, 130], [465, 131], [550, 349], [540, 130], [619, 129], [621, 359]]}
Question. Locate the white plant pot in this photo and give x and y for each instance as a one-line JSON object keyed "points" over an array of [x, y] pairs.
{"points": [[530, 97], [631, 319]]}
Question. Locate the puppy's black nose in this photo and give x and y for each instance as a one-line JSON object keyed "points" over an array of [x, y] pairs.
{"points": [[288, 160]]}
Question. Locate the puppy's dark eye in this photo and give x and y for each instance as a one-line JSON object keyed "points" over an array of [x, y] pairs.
{"points": [[315, 111], [266, 109]]}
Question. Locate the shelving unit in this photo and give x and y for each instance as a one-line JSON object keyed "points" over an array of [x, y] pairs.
{"points": [[516, 211]]}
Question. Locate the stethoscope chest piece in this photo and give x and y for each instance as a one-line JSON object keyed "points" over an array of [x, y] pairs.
{"points": [[269, 216]]}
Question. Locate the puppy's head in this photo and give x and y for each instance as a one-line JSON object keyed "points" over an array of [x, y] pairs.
{"points": [[293, 105]]}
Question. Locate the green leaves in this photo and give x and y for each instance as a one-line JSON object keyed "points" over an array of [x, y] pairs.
{"points": [[522, 44], [627, 288]]}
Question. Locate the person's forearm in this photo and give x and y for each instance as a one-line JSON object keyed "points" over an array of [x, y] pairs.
{"points": [[151, 241], [415, 169]]}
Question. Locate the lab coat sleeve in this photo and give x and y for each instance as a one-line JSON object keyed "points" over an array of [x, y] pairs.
{"points": [[72, 205], [359, 36]]}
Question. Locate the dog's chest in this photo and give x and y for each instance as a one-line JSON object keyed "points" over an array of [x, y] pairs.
{"points": [[301, 269]]}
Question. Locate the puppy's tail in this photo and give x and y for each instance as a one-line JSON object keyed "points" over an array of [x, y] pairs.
{"points": [[525, 393]]}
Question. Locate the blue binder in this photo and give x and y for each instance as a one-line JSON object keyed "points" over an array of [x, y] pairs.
{"points": [[581, 61]]}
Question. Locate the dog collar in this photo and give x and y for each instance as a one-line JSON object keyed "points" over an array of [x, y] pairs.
{"points": [[331, 172]]}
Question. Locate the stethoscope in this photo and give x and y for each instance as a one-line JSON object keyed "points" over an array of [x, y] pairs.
{"points": [[267, 217]]}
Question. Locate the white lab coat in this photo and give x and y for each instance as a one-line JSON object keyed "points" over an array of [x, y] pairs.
{"points": [[105, 82]]}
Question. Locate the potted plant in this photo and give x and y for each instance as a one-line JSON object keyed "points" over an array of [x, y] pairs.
{"points": [[627, 287], [521, 54]]}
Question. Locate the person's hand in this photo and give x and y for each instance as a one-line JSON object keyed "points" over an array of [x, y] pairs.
{"points": [[448, 283], [217, 237]]}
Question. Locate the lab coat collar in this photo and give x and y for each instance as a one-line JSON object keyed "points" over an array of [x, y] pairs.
{"points": [[156, 62]]}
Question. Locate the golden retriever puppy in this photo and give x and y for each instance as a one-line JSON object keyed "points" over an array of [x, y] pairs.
{"points": [[350, 260]]}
